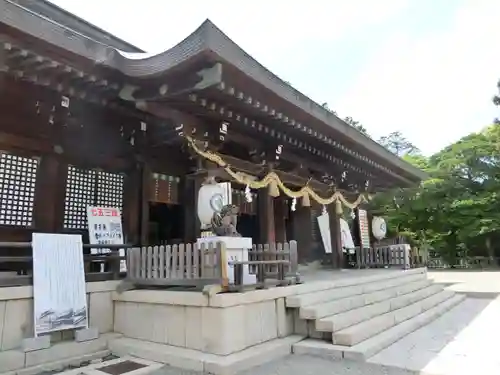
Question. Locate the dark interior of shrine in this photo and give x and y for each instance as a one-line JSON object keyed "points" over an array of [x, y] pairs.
{"points": [[166, 223]]}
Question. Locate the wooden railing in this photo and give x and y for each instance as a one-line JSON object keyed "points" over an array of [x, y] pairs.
{"points": [[169, 265], [273, 264], [17, 270], [384, 256], [274, 252], [175, 265], [205, 265]]}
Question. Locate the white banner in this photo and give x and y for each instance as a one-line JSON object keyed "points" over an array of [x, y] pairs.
{"points": [[346, 236], [105, 228], [58, 282], [324, 229]]}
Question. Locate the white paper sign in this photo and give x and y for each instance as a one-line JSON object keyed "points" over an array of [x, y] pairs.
{"points": [[58, 282], [105, 228]]}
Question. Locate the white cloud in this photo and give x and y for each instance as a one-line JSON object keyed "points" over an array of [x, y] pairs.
{"points": [[434, 89]]}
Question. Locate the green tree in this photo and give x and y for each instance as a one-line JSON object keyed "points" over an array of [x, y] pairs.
{"points": [[398, 144], [458, 207]]}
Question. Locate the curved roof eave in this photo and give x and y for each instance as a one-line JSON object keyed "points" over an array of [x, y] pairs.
{"points": [[207, 38]]}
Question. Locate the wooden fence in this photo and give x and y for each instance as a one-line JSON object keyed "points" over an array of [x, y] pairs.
{"points": [[205, 265], [175, 265], [17, 270], [184, 265], [384, 256]]}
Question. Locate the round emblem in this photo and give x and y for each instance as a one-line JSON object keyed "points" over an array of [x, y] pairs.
{"points": [[379, 228], [217, 202]]}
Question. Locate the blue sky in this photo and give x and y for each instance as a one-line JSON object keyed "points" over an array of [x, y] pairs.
{"points": [[425, 68]]}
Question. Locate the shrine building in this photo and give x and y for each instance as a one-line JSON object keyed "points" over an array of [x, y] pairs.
{"points": [[90, 120]]}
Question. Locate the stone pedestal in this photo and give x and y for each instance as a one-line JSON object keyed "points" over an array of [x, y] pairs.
{"points": [[236, 250]]}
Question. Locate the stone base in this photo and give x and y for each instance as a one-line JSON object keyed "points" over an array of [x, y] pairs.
{"points": [[193, 360], [35, 343], [86, 334], [54, 357], [236, 250]]}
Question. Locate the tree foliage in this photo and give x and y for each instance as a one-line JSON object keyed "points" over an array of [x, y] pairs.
{"points": [[458, 207], [398, 144]]}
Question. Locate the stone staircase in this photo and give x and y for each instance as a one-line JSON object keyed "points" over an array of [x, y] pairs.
{"points": [[359, 318]]}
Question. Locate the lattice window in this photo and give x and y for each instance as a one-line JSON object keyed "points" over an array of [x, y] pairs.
{"points": [[80, 193], [90, 188], [17, 190], [109, 190]]}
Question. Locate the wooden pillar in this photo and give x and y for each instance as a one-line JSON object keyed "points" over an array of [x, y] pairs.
{"points": [[132, 206], [146, 182], [50, 195], [302, 231], [280, 209], [335, 234], [189, 194], [265, 212]]}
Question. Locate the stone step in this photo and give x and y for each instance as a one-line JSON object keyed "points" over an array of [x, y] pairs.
{"points": [[349, 318], [349, 287], [375, 344], [357, 333], [344, 304]]}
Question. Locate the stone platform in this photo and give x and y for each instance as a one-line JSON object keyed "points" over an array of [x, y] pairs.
{"points": [[334, 314], [228, 333]]}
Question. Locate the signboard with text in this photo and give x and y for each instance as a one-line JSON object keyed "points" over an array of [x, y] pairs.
{"points": [[105, 228]]}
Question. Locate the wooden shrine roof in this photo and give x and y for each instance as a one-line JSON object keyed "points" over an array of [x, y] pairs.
{"points": [[206, 42]]}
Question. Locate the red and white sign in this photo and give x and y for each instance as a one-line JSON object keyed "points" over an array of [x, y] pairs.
{"points": [[105, 228]]}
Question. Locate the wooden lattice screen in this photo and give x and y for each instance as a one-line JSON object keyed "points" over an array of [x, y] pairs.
{"points": [[17, 189], [88, 187]]}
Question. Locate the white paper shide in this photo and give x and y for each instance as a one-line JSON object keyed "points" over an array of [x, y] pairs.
{"points": [[58, 283]]}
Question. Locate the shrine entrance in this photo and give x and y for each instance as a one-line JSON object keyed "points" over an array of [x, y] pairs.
{"points": [[166, 223], [248, 226]]}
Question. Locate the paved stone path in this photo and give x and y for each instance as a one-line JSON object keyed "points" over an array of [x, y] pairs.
{"points": [[463, 339], [305, 365], [471, 282]]}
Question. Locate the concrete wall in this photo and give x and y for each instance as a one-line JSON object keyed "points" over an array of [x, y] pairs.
{"points": [[16, 323], [221, 325]]}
